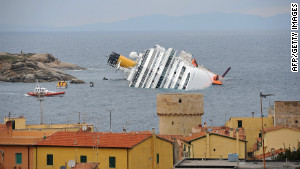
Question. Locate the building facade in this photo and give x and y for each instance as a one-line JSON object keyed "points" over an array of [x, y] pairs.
{"points": [[207, 145], [111, 150], [252, 127], [278, 138], [287, 113], [178, 113]]}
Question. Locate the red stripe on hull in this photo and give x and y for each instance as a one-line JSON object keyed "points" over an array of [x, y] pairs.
{"points": [[47, 94]]}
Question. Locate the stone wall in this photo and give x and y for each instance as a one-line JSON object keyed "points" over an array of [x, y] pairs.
{"points": [[287, 113], [179, 113]]}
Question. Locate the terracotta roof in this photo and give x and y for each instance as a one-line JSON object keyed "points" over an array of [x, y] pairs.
{"points": [[194, 136], [220, 130], [90, 165], [269, 154], [171, 138], [140, 132], [90, 139], [27, 133], [280, 127], [2, 128]]}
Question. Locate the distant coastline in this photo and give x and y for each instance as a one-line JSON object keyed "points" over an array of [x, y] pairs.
{"points": [[196, 22], [29, 67]]}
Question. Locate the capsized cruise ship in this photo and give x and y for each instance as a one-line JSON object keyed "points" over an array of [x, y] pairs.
{"points": [[161, 68]]}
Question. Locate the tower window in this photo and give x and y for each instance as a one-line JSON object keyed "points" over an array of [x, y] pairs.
{"points": [[179, 100], [240, 123], [172, 122]]}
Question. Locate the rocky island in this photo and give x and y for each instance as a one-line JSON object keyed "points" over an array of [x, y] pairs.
{"points": [[30, 67]]}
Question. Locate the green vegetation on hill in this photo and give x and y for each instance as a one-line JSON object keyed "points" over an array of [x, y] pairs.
{"points": [[8, 57]]}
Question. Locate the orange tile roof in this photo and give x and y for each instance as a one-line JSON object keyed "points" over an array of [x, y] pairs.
{"points": [[90, 139], [19, 140], [220, 130], [140, 132], [2, 128], [269, 154], [280, 127], [171, 138], [194, 136], [27, 133]]}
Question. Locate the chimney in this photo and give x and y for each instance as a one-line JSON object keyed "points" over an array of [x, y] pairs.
{"points": [[153, 131], [231, 132], [204, 124], [9, 128], [252, 114], [124, 129]]}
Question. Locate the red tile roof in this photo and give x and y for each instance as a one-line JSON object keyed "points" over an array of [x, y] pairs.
{"points": [[140, 132], [90, 139], [280, 127], [220, 130], [170, 138], [269, 154], [27, 133], [2, 128], [194, 136]]}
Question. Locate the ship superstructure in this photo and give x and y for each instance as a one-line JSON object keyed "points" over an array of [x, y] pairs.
{"points": [[161, 68]]}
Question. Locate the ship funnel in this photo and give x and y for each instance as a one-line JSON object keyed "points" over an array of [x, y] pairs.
{"points": [[116, 59]]}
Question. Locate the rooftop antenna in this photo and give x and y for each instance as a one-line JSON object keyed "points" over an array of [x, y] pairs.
{"points": [[78, 117], [110, 121], [110, 129], [84, 117]]}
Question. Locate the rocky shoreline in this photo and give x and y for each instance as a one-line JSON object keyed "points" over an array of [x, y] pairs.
{"points": [[30, 67]]}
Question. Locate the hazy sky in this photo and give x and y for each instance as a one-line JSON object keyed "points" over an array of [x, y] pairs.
{"points": [[78, 12]]}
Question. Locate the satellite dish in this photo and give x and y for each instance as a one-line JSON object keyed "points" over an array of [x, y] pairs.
{"points": [[71, 163], [84, 128]]}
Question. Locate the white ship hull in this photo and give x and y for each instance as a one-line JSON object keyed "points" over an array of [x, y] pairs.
{"points": [[161, 68]]}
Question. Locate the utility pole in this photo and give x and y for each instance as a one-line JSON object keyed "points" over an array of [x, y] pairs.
{"points": [[110, 120], [262, 125], [40, 98]]}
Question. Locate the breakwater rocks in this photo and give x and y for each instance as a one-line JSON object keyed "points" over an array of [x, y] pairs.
{"points": [[31, 67]]}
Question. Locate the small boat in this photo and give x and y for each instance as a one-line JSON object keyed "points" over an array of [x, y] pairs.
{"points": [[62, 84], [41, 91]]}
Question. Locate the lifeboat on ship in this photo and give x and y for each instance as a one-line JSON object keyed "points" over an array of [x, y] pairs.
{"points": [[41, 91]]}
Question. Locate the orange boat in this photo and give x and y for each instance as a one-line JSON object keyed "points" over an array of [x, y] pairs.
{"points": [[41, 91]]}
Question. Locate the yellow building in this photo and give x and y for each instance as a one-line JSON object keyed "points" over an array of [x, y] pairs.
{"points": [[19, 123], [178, 112], [212, 145], [17, 147], [111, 150], [252, 127], [276, 138]]}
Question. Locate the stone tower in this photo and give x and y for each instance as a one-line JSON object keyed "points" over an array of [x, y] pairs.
{"points": [[178, 113]]}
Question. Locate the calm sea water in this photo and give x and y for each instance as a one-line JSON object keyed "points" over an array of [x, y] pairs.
{"points": [[260, 62]]}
